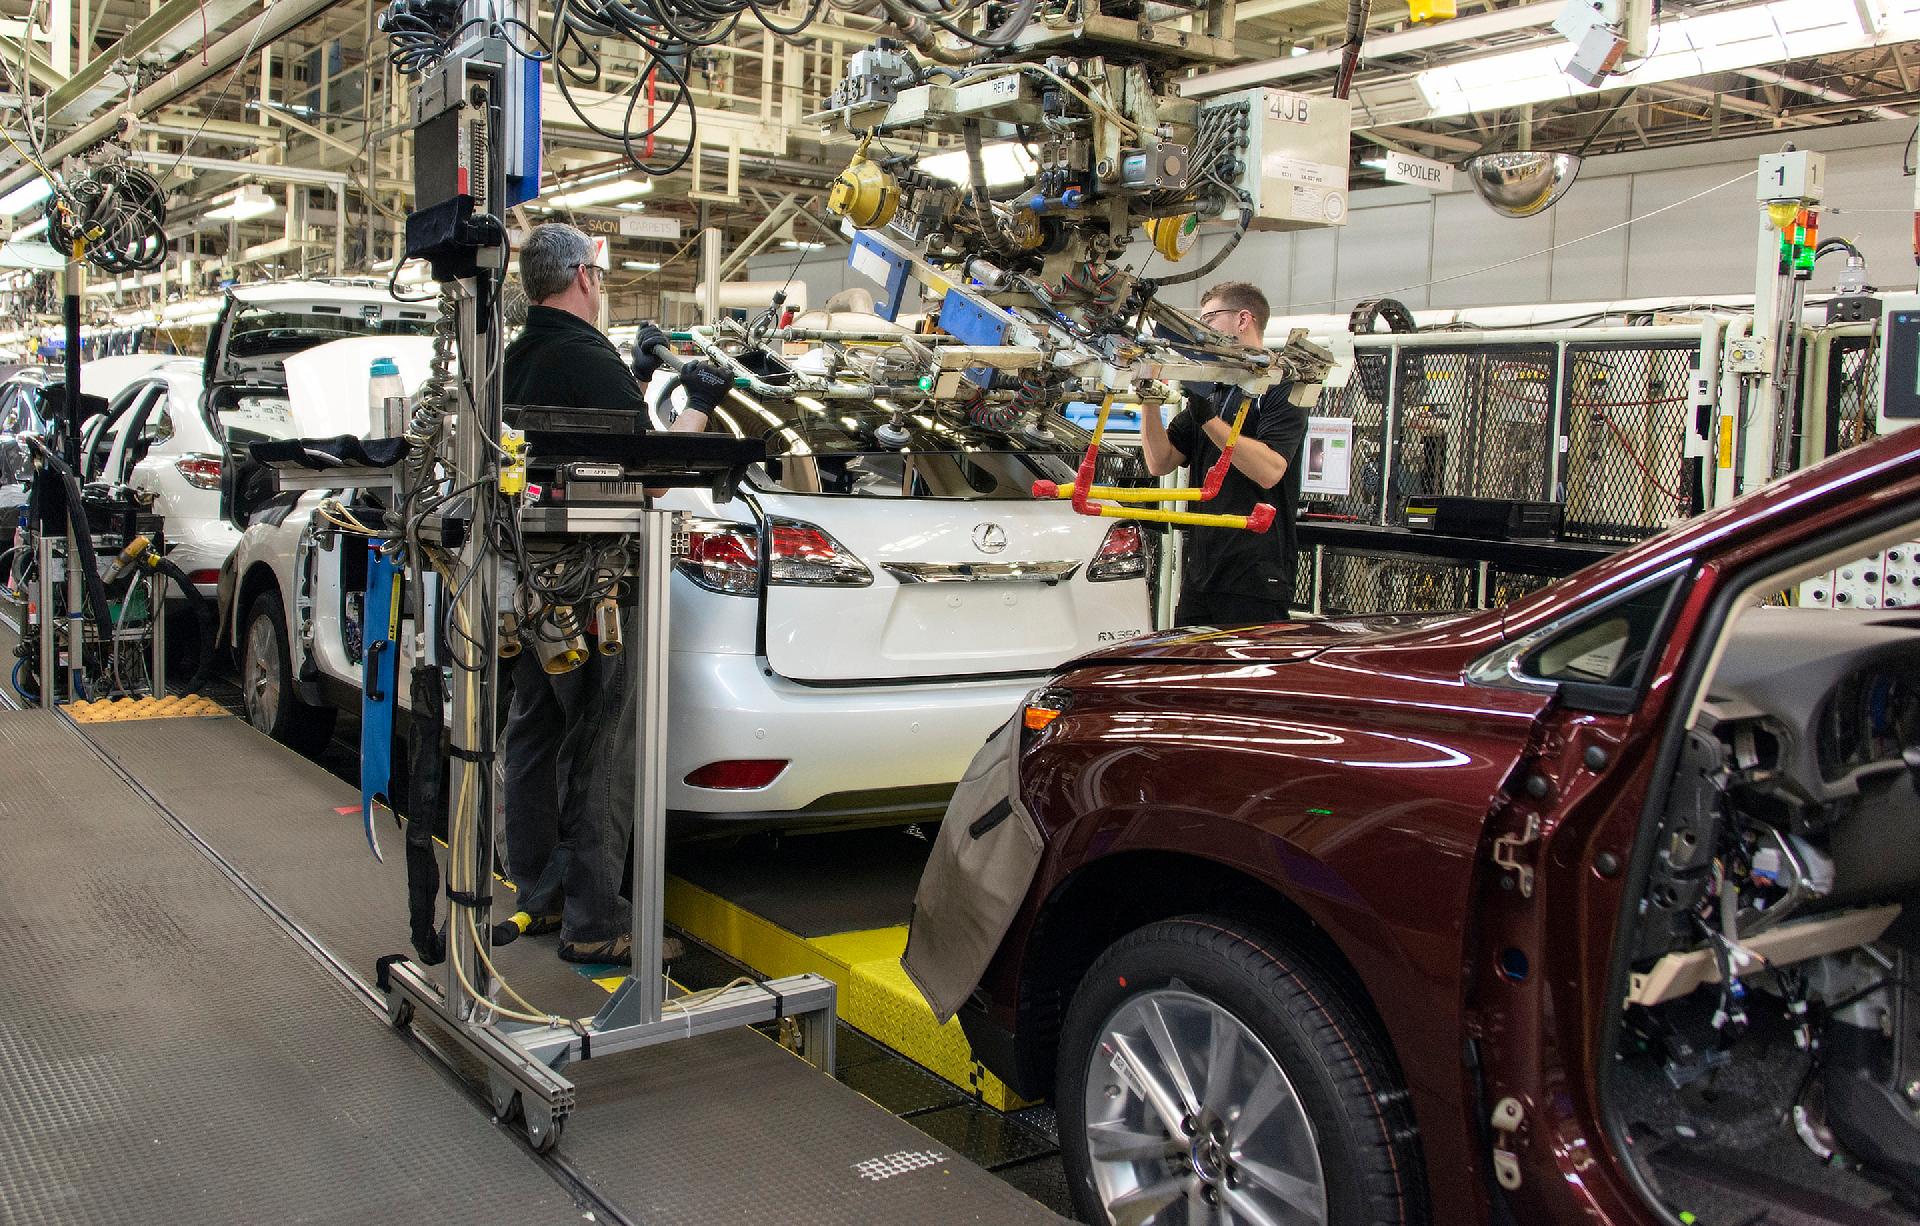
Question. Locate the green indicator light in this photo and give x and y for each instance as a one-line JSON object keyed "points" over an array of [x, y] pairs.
{"points": [[1321, 812], [926, 383]]}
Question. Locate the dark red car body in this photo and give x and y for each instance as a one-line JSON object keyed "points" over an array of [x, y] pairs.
{"points": [[1350, 783]]}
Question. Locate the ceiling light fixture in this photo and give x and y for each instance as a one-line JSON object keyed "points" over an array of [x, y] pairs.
{"points": [[1005, 164], [24, 197], [249, 202], [602, 193], [640, 265], [1680, 48]]}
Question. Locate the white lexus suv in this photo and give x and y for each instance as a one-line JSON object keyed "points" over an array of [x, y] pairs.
{"points": [[914, 596]]}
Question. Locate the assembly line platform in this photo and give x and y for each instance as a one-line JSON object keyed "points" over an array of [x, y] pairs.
{"points": [[191, 1033]]}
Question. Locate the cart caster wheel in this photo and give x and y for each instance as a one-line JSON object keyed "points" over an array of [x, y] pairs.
{"points": [[506, 1102], [544, 1136], [400, 1013]]}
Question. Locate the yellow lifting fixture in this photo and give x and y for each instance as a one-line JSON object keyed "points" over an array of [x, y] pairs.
{"points": [[1083, 492]]}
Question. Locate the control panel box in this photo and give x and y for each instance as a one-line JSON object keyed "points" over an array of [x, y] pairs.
{"points": [[1292, 160], [1899, 361]]}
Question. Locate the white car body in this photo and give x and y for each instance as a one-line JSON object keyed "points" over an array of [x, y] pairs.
{"points": [[162, 446], [873, 696]]}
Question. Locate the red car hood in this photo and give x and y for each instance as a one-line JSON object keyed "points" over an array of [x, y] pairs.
{"points": [[1276, 643]]}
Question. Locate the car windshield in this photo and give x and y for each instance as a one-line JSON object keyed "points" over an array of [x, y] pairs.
{"points": [[274, 329], [831, 447]]}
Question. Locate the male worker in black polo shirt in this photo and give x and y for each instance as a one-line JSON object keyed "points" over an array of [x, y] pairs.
{"points": [[1229, 576], [569, 737]]}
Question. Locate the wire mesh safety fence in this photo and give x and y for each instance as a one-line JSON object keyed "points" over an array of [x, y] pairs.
{"points": [[1353, 582], [1473, 422], [1624, 421], [1853, 392], [1596, 425], [1364, 402]]}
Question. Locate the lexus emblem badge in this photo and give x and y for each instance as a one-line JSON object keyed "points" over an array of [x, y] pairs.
{"points": [[989, 538]]}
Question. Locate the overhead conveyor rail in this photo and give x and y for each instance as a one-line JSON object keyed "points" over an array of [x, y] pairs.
{"points": [[184, 1044]]}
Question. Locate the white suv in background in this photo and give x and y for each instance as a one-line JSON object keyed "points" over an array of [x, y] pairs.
{"points": [[156, 440], [914, 597]]}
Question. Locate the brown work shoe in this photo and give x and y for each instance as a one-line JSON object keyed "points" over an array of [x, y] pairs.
{"points": [[616, 951]]}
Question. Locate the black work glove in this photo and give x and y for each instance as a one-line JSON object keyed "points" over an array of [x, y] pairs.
{"points": [[1202, 401], [706, 385], [645, 361]]}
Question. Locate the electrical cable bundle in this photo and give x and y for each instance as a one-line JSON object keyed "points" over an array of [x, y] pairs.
{"points": [[118, 212]]}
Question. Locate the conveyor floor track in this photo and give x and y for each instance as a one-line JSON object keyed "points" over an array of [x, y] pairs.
{"points": [[171, 1055], [725, 1127]]}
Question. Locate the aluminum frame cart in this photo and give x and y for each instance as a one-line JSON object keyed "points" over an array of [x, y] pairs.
{"points": [[524, 1060], [476, 149]]}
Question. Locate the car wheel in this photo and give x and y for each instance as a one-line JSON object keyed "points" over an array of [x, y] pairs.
{"points": [[266, 681], [1208, 1073]]}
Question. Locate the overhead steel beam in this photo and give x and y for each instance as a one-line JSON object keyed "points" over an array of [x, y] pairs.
{"points": [[39, 71], [1825, 93], [171, 29], [258, 170], [1459, 29], [277, 20], [1419, 136]]}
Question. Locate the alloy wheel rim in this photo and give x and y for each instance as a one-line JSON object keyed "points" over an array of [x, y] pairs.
{"points": [[260, 679], [1190, 1118]]}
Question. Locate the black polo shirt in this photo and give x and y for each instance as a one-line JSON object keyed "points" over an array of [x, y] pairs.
{"points": [[562, 360], [1231, 561]]}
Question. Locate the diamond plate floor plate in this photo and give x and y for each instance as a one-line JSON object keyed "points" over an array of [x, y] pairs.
{"points": [[726, 1127], [170, 1055]]}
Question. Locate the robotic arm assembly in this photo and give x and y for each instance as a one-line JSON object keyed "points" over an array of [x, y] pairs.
{"points": [[1042, 286]]}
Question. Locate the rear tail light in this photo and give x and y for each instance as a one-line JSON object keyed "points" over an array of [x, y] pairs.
{"points": [[737, 775], [725, 557], [720, 557], [803, 553], [1123, 555], [202, 472], [203, 578]]}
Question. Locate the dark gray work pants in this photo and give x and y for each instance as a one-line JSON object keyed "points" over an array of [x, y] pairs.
{"points": [[569, 792]]}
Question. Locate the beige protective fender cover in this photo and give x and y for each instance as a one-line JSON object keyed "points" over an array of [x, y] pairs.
{"points": [[976, 879]]}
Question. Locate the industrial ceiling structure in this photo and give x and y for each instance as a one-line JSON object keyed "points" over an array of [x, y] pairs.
{"points": [[288, 123]]}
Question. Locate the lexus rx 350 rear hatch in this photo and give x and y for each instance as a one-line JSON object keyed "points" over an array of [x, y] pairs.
{"points": [[929, 559]]}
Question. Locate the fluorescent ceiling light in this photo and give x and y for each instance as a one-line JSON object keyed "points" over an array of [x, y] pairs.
{"points": [[1376, 163], [640, 265], [1005, 164], [796, 244], [602, 193], [249, 201], [1678, 48], [24, 197], [38, 227], [631, 205]]}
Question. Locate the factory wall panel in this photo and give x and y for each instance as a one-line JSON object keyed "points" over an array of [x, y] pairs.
{"points": [[1466, 233], [1698, 250], [1596, 268], [1316, 255], [1383, 251]]}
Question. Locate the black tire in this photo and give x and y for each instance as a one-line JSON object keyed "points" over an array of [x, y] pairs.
{"points": [[1189, 969], [266, 681]]}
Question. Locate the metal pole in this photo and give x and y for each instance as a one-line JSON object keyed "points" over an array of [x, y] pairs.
{"points": [[473, 731], [75, 286], [75, 614], [47, 656], [650, 761], [711, 241], [157, 609]]}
